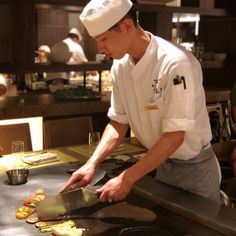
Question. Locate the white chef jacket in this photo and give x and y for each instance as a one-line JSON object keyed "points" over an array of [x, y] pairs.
{"points": [[146, 97], [78, 55]]}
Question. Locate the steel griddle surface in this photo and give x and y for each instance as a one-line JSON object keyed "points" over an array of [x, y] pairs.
{"points": [[52, 178]]}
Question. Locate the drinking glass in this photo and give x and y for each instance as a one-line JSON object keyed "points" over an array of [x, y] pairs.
{"points": [[17, 148], [93, 140]]}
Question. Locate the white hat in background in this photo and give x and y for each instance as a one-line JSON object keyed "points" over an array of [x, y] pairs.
{"points": [[76, 32], [100, 16], [44, 48]]}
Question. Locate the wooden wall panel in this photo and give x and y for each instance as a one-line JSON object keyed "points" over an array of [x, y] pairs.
{"points": [[52, 26], [5, 34], [23, 33], [219, 35]]}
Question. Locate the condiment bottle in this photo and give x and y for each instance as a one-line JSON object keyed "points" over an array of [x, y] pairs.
{"points": [[225, 129]]}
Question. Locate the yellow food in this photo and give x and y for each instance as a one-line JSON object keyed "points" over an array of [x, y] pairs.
{"points": [[23, 212], [21, 215], [31, 201], [25, 209], [40, 191], [41, 197], [29, 204]]}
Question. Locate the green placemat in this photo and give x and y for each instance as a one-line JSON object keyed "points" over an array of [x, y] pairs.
{"points": [[9, 161], [123, 149]]}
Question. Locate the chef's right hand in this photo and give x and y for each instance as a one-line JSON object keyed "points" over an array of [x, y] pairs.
{"points": [[79, 178]]}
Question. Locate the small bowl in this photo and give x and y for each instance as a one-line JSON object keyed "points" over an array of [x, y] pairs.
{"points": [[17, 176]]}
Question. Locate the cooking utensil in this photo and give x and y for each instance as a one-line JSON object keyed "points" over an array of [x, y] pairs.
{"points": [[144, 231], [17, 176], [66, 202], [109, 220]]}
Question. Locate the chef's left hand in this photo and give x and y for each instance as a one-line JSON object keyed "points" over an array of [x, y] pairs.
{"points": [[115, 189]]}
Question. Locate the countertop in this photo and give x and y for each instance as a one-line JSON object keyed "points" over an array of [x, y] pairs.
{"points": [[181, 212], [48, 106], [31, 105], [178, 212]]}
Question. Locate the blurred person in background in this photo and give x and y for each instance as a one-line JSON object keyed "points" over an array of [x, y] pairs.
{"points": [[73, 40], [68, 51]]}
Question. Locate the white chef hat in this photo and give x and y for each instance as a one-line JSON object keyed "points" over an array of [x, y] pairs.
{"points": [[99, 16], [76, 32]]}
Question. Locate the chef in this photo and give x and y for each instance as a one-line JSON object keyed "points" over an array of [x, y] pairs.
{"points": [[158, 93], [73, 40]]}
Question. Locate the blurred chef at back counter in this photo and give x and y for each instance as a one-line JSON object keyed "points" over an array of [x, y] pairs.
{"points": [[158, 93], [73, 41], [57, 52]]}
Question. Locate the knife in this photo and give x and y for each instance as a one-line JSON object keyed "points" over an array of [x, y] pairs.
{"points": [[65, 202]]}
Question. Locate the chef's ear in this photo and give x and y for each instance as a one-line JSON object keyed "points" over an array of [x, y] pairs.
{"points": [[127, 24]]}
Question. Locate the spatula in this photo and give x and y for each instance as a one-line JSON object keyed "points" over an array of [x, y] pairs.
{"points": [[66, 202]]}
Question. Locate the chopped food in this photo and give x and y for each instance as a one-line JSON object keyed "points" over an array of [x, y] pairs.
{"points": [[27, 209], [40, 191], [68, 231], [49, 228], [23, 212], [31, 201], [32, 218], [40, 224], [21, 215]]}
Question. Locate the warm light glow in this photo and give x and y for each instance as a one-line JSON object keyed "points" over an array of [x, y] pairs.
{"points": [[36, 129], [187, 17]]}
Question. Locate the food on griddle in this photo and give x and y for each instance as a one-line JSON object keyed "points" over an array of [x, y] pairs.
{"points": [[48, 228], [27, 209], [31, 201], [23, 212], [40, 191], [32, 218], [68, 231], [40, 224]]}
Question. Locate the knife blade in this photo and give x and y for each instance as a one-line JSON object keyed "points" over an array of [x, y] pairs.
{"points": [[66, 202]]}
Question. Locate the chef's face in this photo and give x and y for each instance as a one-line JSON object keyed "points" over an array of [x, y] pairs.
{"points": [[115, 42]]}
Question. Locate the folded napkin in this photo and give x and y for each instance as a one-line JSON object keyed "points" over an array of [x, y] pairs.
{"points": [[41, 158]]}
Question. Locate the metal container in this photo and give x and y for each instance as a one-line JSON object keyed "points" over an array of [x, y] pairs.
{"points": [[17, 176], [229, 187]]}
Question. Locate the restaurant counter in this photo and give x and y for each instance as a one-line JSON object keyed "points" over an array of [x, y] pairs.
{"points": [[178, 212], [46, 105], [183, 220]]}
